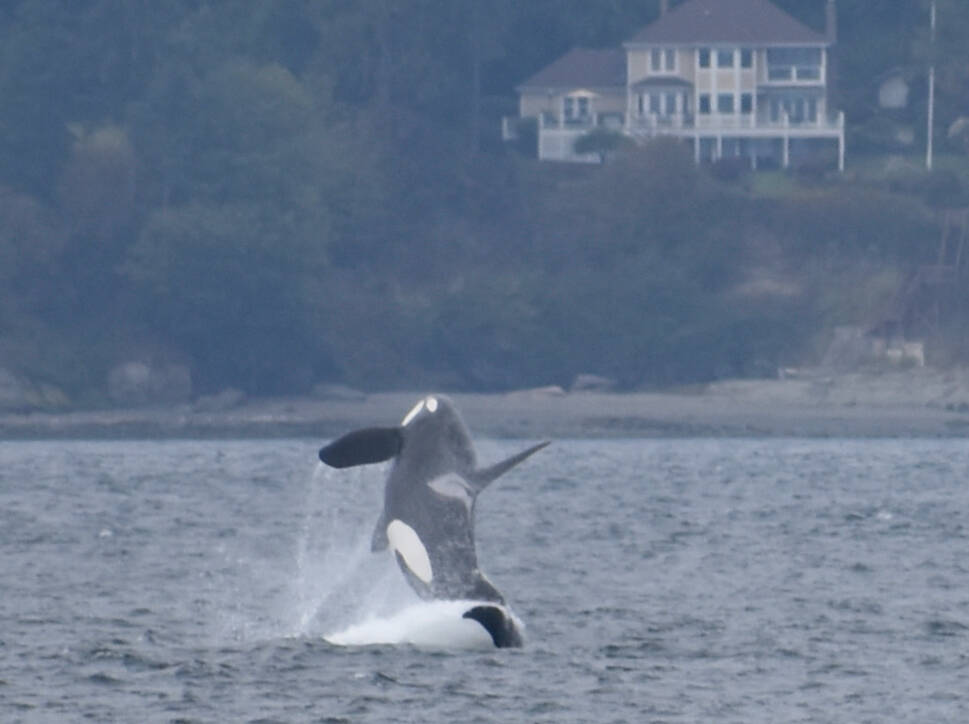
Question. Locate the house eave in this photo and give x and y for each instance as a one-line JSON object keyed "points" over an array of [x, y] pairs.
{"points": [[647, 45], [553, 90]]}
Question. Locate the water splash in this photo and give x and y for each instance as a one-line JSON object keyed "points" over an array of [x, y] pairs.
{"points": [[338, 580]]}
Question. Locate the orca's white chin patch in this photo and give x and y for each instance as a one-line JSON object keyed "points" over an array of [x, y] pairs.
{"points": [[428, 403], [404, 540], [415, 411]]}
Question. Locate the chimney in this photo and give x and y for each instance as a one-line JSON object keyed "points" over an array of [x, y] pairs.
{"points": [[831, 22], [664, 5]]}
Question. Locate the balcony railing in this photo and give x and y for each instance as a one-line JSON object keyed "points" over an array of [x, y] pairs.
{"points": [[715, 121], [557, 136], [794, 74], [554, 120]]}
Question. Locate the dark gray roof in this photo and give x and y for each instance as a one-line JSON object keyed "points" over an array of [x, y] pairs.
{"points": [[750, 22], [583, 68]]}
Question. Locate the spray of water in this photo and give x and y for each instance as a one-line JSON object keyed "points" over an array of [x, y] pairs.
{"points": [[333, 586], [338, 581]]}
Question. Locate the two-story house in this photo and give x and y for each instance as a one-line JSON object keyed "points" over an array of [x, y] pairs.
{"points": [[734, 78]]}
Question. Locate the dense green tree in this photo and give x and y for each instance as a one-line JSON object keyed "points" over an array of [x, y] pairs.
{"points": [[282, 191], [225, 283]]}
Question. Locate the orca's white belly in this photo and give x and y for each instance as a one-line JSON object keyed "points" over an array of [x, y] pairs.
{"points": [[428, 624]]}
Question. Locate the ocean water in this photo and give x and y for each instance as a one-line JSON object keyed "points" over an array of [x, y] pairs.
{"points": [[659, 580]]}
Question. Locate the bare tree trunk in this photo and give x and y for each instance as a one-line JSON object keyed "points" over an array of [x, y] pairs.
{"points": [[475, 23]]}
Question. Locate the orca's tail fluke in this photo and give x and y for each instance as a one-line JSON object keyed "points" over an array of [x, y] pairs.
{"points": [[481, 478], [498, 624]]}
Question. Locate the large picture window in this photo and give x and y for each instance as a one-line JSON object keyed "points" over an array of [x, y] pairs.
{"points": [[794, 64]]}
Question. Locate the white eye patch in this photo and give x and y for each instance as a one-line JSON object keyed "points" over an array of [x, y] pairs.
{"points": [[405, 541], [432, 404]]}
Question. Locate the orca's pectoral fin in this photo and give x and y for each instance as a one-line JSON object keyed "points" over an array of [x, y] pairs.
{"points": [[481, 478], [361, 447]]}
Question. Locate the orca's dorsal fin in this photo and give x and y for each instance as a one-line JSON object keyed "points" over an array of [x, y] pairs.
{"points": [[480, 478], [362, 447]]}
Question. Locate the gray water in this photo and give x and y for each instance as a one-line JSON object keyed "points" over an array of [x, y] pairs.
{"points": [[666, 581]]}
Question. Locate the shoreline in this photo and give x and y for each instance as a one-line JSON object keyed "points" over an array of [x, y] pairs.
{"points": [[915, 403]]}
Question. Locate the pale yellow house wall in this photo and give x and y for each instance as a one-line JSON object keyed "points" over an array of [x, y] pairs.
{"points": [[609, 103], [687, 61], [638, 64], [534, 104]]}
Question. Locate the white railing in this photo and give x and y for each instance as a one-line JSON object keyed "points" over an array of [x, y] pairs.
{"points": [[659, 123], [558, 144], [733, 121], [509, 128], [556, 140], [794, 74], [552, 120]]}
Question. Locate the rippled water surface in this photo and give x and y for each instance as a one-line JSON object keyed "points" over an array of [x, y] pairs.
{"points": [[667, 581]]}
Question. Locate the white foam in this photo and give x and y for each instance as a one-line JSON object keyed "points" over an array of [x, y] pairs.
{"points": [[428, 624]]}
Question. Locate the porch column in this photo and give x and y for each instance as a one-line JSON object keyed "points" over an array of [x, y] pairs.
{"points": [[786, 143], [841, 141]]}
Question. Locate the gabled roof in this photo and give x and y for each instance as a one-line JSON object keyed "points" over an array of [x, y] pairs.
{"points": [[582, 68], [749, 22]]}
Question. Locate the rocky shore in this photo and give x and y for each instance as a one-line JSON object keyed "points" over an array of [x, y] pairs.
{"points": [[918, 402]]}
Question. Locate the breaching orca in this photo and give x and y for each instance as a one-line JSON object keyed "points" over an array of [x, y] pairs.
{"points": [[429, 497]]}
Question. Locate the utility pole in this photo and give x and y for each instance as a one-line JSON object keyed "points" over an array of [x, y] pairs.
{"points": [[931, 114]]}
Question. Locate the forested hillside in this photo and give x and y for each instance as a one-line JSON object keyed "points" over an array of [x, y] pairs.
{"points": [[273, 194]]}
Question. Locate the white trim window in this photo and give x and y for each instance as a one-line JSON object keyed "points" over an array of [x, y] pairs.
{"points": [[795, 65], [576, 109], [662, 60]]}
